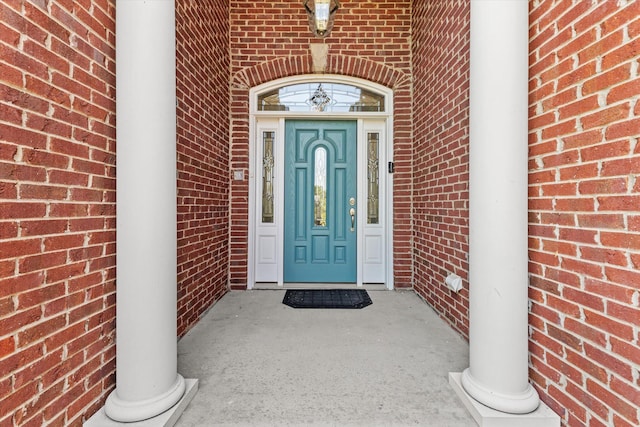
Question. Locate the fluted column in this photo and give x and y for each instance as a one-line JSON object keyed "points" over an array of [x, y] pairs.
{"points": [[498, 276], [147, 382]]}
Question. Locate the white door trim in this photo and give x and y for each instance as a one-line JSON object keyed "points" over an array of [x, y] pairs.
{"points": [[265, 245]]}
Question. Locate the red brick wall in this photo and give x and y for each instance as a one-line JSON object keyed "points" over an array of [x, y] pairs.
{"points": [[57, 209], [440, 50], [370, 40], [202, 67], [57, 182], [585, 209], [57, 197]]}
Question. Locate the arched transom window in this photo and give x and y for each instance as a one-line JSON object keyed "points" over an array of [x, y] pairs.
{"points": [[321, 97]]}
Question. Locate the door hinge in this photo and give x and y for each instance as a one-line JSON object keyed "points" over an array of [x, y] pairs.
{"points": [[392, 167]]}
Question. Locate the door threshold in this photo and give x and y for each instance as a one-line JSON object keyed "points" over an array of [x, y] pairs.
{"points": [[285, 286]]}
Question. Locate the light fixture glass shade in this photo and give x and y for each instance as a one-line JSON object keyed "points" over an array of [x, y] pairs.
{"points": [[321, 15]]}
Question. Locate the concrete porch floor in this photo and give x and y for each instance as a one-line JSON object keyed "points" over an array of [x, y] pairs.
{"points": [[261, 363]]}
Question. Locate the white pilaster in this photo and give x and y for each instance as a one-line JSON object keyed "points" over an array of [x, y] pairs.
{"points": [[498, 276], [147, 382]]}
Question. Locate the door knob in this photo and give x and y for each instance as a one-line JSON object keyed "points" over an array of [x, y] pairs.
{"points": [[352, 212]]}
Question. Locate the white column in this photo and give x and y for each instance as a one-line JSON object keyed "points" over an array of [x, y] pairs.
{"points": [[498, 276], [147, 382]]}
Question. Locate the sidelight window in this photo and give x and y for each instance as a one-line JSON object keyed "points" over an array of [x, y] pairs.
{"points": [[373, 177], [267, 176]]}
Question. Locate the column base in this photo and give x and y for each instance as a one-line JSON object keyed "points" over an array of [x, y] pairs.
{"points": [[166, 419], [543, 416], [523, 403], [130, 411]]}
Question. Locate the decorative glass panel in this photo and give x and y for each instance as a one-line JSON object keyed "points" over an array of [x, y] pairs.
{"points": [[373, 177], [320, 99], [267, 176], [320, 187], [329, 97]]}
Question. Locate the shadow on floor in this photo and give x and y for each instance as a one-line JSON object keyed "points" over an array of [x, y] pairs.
{"points": [[261, 363]]}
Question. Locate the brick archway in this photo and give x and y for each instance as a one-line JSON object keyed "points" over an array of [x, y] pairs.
{"points": [[336, 64], [243, 80]]}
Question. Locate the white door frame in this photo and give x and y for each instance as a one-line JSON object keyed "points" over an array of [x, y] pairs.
{"points": [[375, 242]]}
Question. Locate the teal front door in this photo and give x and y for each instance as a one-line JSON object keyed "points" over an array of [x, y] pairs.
{"points": [[320, 201]]}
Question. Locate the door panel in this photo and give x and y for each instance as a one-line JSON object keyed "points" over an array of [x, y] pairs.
{"points": [[320, 180]]}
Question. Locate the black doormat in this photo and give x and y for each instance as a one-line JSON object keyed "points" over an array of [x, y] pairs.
{"points": [[327, 298]]}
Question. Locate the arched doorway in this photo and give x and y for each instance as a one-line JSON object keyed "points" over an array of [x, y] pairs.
{"points": [[320, 182]]}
